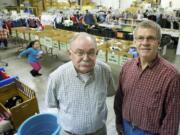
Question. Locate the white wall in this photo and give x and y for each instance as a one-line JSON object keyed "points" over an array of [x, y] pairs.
{"points": [[175, 4], [4, 3], [125, 4], [122, 4], [108, 3]]}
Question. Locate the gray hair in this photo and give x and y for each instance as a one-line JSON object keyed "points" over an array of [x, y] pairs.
{"points": [[149, 25], [82, 35]]}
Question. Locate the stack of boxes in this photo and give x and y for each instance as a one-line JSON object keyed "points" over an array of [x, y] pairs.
{"points": [[114, 51]]}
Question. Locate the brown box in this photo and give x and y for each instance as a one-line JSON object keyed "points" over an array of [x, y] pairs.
{"points": [[22, 111]]}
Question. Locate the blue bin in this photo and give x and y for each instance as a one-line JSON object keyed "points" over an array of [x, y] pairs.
{"points": [[40, 124], [7, 80]]}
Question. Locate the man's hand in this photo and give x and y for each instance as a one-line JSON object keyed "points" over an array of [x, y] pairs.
{"points": [[119, 129]]}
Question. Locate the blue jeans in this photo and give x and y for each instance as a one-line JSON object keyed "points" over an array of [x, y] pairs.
{"points": [[130, 129]]}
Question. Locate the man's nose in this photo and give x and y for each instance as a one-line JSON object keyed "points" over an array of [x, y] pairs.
{"points": [[85, 56]]}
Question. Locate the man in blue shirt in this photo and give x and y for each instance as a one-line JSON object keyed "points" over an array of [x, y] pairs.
{"points": [[89, 20]]}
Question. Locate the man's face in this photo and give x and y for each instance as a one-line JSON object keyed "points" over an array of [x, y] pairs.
{"points": [[146, 43], [83, 55]]}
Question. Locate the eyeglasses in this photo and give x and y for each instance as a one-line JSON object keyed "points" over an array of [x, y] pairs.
{"points": [[82, 53], [149, 39]]}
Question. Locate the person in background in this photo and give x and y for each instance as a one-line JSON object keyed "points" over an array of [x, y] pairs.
{"points": [[76, 18], [108, 18], [33, 53], [77, 21], [78, 89], [89, 20], [4, 33], [80, 23], [146, 13], [101, 16], [59, 19], [147, 100]]}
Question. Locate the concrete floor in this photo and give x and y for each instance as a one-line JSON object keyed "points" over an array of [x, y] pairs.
{"points": [[21, 68]]}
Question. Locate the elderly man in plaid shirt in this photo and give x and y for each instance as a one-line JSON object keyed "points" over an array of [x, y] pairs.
{"points": [[4, 33]]}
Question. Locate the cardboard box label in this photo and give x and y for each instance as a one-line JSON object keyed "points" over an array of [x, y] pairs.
{"points": [[41, 40], [48, 42], [21, 35], [14, 33], [63, 46], [32, 36], [124, 58], [27, 36], [55, 44], [102, 55], [113, 58]]}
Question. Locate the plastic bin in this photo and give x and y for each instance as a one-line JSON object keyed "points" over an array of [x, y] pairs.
{"points": [[40, 124], [8, 80]]}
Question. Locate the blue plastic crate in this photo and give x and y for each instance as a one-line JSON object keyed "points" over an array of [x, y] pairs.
{"points": [[7, 80]]}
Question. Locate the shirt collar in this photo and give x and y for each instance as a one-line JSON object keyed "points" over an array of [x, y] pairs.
{"points": [[74, 72], [154, 62]]}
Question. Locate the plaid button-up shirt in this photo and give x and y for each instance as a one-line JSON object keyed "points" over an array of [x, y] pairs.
{"points": [[150, 98], [82, 104]]}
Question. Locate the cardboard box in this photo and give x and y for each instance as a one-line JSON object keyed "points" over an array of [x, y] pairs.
{"points": [[42, 41], [118, 57], [23, 110], [113, 57], [21, 35], [64, 46], [124, 57], [48, 42], [56, 44], [27, 37], [102, 54], [14, 33]]}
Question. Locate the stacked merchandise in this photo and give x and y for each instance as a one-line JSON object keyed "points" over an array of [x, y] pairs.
{"points": [[114, 51]]}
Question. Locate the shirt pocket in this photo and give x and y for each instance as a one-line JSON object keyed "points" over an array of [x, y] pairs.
{"points": [[153, 98]]}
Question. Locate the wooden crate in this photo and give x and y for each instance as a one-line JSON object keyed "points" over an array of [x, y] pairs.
{"points": [[22, 111]]}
